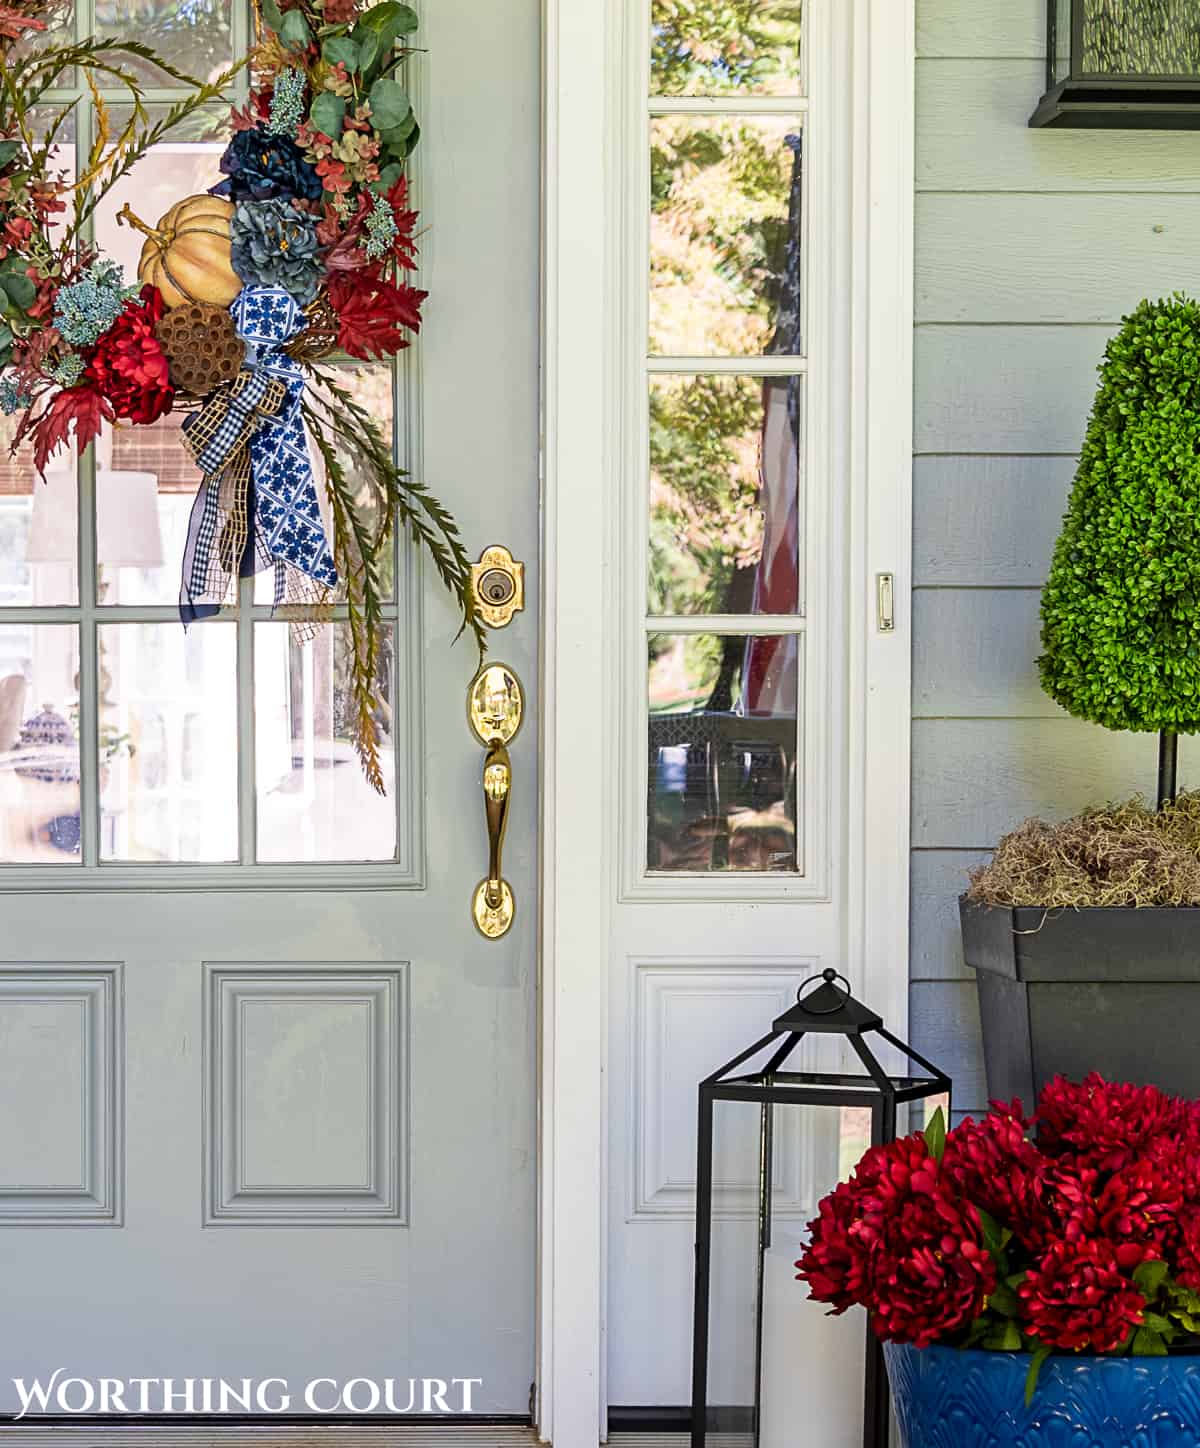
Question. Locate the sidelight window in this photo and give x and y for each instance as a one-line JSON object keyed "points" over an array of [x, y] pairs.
{"points": [[724, 455]]}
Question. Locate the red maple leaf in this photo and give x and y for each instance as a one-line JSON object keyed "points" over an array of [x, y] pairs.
{"points": [[81, 407], [373, 313]]}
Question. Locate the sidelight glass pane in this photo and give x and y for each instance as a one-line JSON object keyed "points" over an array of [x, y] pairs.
{"points": [[722, 752], [1141, 37], [39, 745], [195, 36], [313, 802], [725, 236], [725, 499], [38, 561], [168, 742], [726, 47]]}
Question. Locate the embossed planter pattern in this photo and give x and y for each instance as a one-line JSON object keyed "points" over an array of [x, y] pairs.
{"points": [[945, 1398]]}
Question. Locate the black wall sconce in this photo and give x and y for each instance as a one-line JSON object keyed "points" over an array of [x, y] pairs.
{"points": [[1122, 65]]}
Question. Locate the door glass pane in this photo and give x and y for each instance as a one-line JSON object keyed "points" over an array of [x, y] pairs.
{"points": [[725, 47], [313, 801], [196, 36], [725, 213], [38, 566], [722, 752], [145, 485], [39, 745], [168, 173], [168, 742], [725, 498]]}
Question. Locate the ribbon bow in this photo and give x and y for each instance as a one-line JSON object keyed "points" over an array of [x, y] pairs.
{"points": [[257, 505]]}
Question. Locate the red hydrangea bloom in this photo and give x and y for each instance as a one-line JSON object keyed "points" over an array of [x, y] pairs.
{"points": [[1076, 1297], [128, 366], [1104, 1123], [896, 1239]]}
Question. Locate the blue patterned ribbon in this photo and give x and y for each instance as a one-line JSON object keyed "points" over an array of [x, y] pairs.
{"points": [[287, 530]]}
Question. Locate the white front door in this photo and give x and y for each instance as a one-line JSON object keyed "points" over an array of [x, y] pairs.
{"points": [[267, 1101]]}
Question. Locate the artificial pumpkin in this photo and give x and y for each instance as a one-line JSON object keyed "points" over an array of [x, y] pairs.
{"points": [[187, 255]]}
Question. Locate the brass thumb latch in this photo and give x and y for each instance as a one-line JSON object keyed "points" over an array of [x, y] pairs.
{"points": [[495, 706]]}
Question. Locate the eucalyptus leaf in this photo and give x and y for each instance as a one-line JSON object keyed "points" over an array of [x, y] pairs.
{"points": [[341, 50], [388, 176], [272, 16], [294, 31], [391, 17], [368, 48], [8, 149], [389, 104], [411, 144], [327, 114], [21, 291], [6, 307]]}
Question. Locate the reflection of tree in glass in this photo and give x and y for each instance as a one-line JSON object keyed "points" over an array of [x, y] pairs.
{"points": [[704, 462], [724, 197], [713, 47], [194, 35]]}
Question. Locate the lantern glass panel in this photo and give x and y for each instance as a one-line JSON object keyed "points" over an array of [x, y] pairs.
{"points": [[1060, 39], [1139, 38], [805, 1358]]}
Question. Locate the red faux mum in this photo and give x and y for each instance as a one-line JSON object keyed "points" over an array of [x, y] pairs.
{"points": [[128, 366], [1076, 1297], [895, 1239], [1104, 1123], [993, 1164]]}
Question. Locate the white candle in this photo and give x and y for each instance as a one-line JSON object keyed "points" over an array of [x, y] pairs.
{"points": [[812, 1364]]}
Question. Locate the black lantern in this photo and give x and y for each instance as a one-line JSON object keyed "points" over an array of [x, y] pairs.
{"points": [[826, 1009], [1125, 64]]}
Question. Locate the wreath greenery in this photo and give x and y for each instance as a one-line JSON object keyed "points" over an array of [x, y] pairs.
{"points": [[305, 249]]}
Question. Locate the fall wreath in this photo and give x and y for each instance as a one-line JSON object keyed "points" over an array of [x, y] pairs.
{"points": [[304, 249]]}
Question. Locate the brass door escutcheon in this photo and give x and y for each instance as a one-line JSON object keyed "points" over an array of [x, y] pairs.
{"points": [[498, 581], [495, 705]]}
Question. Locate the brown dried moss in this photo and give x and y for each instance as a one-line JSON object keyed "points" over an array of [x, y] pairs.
{"points": [[1124, 854]]}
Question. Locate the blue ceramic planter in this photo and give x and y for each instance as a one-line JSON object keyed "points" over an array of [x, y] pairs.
{"points": [[945, 1398]]}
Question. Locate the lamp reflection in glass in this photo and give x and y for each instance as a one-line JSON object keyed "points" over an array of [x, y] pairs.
{"points": [[824, 1009], [127, 528]]}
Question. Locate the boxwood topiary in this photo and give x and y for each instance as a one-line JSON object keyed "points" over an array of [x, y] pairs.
{"points": [[1121, 608]]}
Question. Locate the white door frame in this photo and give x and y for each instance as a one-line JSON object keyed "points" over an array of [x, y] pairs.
{"points": [[582, 91]]}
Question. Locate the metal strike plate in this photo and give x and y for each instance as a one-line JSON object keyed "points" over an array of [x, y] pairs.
{"points": [[495, 704], [498, 581]]}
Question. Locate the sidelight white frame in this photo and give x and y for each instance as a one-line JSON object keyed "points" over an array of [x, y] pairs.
{"points": [[586, 395]]}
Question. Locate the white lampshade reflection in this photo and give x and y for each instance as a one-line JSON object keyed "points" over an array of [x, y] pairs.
{"points": [[127, 527]]}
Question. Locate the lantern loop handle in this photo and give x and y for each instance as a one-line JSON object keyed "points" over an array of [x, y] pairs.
{"points": [[830, 977]]}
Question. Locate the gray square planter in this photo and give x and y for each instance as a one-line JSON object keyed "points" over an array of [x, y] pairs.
{"points": [[1072, 991]]}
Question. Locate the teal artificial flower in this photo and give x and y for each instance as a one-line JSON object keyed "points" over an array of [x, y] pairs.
{"points": [[274, 245]]}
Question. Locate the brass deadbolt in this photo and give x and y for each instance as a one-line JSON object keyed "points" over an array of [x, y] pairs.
{"points": [[499, 584]]}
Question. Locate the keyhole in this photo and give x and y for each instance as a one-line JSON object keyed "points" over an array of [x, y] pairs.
{"points": [[496, 587]]}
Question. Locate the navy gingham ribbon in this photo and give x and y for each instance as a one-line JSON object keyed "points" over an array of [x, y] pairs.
{"points": [[250, 442]]}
